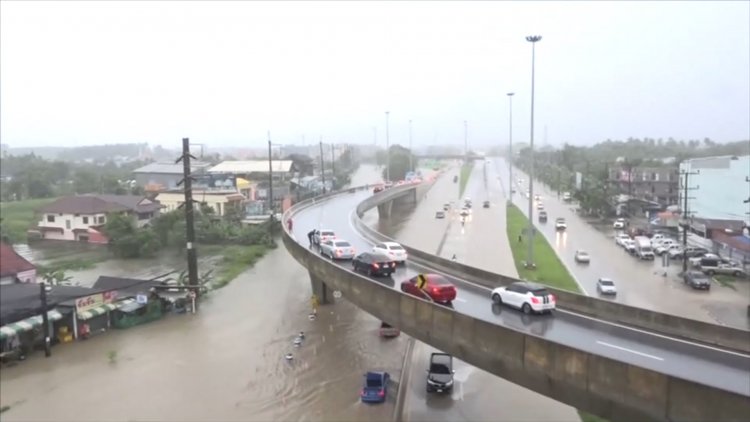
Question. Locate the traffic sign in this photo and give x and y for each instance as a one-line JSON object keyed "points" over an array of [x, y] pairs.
{"points": [[337, 294], [421, 281], [142, 299]]}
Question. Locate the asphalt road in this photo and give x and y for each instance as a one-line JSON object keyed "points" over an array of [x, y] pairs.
{"points": [[710, 366], [639, 283]]}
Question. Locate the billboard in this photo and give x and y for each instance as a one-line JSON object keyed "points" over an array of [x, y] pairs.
{"points": [[214, 181]]}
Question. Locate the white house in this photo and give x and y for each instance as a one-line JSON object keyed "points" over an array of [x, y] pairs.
{"points": [[80, 218]]}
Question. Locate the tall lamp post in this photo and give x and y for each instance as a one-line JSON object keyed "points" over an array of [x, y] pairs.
{"points": [[533, 39], [387, 152], [270, 179], [510, 146], [322, 167], [466, 141], [411, 153]]}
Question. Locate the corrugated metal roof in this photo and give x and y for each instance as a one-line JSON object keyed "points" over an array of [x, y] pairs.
{"points": [[252, 166], [11, 263]]}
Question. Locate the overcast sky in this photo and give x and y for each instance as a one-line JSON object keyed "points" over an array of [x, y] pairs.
{"points": [[82, 73]]}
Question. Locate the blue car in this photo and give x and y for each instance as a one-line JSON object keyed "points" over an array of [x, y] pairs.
{"points": [[376, 387]]}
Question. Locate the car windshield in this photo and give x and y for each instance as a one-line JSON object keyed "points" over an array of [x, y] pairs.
{"points": [[326, 233], [540, 292], [396, 248], [583, 253], [606, 282], [343, 244], [439, 368]]}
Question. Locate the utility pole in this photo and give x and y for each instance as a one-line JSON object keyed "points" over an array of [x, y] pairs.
{"points": [[270, 177], [322, 169], [187, 182], [45, 320], [510, 146], [333, 169], [685, 225], [466, 141], [530, 239], [387, 149]]}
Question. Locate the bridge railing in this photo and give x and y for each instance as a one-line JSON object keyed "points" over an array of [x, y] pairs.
{"points": [[658, 322], [597, 384]]}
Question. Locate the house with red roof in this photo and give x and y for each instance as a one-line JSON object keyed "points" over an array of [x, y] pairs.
{"points": [[82, 217], [14, 268]]}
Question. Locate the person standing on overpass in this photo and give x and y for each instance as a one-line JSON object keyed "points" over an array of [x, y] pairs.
{"points": [[310, 235]]}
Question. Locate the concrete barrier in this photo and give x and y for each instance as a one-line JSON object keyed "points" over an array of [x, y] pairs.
{"points": [[608, 388], [675, 326]]}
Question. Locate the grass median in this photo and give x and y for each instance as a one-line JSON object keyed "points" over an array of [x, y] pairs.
{"points": [[549, 269], [463, 179]]}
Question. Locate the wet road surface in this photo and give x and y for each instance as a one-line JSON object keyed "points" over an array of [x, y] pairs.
{"points": [[224, 363], [639, 283]]}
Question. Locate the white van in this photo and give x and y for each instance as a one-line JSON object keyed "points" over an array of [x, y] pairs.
{"points": [[643, 247]]}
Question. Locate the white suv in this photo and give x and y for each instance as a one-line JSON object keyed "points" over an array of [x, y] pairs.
{"points": [[528, 297], [619, 224], [392, 250]]}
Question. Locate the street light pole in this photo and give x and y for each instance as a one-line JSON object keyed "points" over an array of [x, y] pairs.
{"points": [[466, 141], [510, 146], [270, 178], [530, 257], [387, 149], [411, 153], [322, 168], [333, 169]]}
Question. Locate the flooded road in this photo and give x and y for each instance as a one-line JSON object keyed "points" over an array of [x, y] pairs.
{"points": [[224, 363]]}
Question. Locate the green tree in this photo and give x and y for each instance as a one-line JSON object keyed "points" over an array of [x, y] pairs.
{"points": [[56, 278], [399, 163]]}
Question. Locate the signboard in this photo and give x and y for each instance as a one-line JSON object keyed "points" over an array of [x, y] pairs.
{"points": [[421, 281], [84, 304], [142, 299], [214, 181]]}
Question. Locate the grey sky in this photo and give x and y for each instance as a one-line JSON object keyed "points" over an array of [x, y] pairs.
{"points": [[81, 73]]}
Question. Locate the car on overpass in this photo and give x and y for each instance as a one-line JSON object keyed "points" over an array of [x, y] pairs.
{"points": [[375, 388], [337, 249], [388, 331], [392, 249], [372, 263], [323, 234], [528, 297], [432, 287], [440, 373]]}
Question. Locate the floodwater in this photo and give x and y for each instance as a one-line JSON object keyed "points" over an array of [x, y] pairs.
{"points": [[224, 363]]}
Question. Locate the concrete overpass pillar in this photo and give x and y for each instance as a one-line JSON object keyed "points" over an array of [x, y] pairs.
{"points": [[384, 209], [320, 290]]}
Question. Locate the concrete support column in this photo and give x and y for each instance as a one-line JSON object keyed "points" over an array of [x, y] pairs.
{"points": [[384, 209], [320, 290]]}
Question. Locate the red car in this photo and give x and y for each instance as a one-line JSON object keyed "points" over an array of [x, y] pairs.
{"points": [[432, 287]]}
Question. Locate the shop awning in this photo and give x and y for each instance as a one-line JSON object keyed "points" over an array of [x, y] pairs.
{"points": [[99, 310], [27, 324], [129, 305]]}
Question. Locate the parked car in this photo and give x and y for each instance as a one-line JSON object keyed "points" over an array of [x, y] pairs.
{"points": [[643, 247], [446, 207], [392, 249], [619, 224], [372, 263], [433, 287], [582, 257], [726, 269], [708, 260], [337, 249], [375, 388], [629, 246], [321, 235], [620, 238], [690, 252], [697, 280], [388, 331], [486, 204], [606, 286], [542, 216], [560, 224], [440, 373], [528, 297], [439, 214], [664, 246]]}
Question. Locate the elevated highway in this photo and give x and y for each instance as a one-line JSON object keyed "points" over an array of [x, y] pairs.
{"points": [[605, 358]]}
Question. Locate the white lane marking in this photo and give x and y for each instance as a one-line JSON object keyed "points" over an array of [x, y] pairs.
{"points": [[458, 299], [629, 350]]}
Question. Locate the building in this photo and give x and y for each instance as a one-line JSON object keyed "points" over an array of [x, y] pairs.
{"points": [[722, 187], [254, 175], [81, 217], [218, 199], [14, 268], [658, 185], [158, 177]]}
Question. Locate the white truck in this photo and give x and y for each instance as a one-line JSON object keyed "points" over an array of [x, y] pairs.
{"points": [[643, 247]]}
